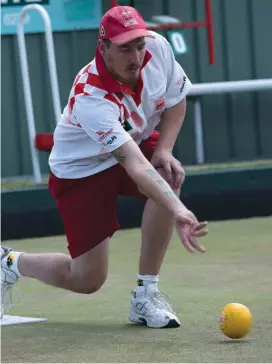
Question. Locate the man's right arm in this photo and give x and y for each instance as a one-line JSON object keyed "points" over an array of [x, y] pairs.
{"points": [[147, 178], [100, 119]]}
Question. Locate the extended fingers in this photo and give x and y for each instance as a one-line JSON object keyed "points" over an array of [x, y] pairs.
{"points": [[200, 229], [187, 244], [201, 225], [191, 234], [191, 243], [195, 243]]}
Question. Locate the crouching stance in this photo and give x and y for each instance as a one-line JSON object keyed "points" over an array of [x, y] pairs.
{"points": [[106, 145]]}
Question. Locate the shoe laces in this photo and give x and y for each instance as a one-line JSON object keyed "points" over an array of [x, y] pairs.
{"points": [[6, 298], [162, 300]]}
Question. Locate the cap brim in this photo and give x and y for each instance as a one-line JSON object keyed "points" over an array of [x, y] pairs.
{"points": [[130, 35]]}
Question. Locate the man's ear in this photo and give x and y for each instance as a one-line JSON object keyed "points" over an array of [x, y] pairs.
{"points": [[101, 47]]}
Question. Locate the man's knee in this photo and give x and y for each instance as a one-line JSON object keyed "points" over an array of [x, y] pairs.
{"points": [[90, 282], [94, 283], [90, 270]]}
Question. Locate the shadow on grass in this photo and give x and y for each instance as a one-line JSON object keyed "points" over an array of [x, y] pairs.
{"points": [[231, 342], [98, 341], [102, 335]]}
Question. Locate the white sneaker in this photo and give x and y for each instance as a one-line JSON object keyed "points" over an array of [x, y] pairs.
{"points": [[9, 275], [152, 310]]}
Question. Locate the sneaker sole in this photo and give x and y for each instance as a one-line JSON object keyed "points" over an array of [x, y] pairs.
{"points": [[172, 324]]}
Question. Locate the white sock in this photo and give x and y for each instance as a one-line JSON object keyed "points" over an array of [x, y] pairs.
{"points": [[147, 283], [11, 261]]}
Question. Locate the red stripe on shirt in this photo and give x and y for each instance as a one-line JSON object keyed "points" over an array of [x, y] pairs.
{"points": [[94, 80]]}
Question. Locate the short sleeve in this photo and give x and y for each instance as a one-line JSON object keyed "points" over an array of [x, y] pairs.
{"points": [[100, 120], [178, 83]]}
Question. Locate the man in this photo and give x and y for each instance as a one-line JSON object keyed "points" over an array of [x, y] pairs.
{"points": [[104, 146]]}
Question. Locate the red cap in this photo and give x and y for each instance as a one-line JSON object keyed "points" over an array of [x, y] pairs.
{"points": [[121, 24]]}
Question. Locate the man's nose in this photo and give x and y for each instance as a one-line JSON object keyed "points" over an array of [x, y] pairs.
{"points": [[136, 58]]}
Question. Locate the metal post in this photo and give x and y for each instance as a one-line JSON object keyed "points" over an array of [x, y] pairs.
{"points": [[51, 61], [198, 132], [26, 81], [210, 34], [28, 99], [113, 3]]}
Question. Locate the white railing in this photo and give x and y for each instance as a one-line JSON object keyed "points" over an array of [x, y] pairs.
{"points": [[196, 91], [219, 88], [26, 81], [231, 86]]}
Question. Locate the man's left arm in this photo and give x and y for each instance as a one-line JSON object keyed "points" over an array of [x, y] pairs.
{"points": [[170, 125], [178, 85]]}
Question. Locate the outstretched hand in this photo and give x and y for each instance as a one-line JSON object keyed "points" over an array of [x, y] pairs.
{"points": [[189, 230]]}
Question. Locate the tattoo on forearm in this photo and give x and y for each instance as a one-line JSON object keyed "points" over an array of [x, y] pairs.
{"points": [[172, 195], [155, 175], [119, 155]]}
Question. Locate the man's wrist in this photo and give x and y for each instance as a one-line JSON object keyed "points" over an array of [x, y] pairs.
{"points": [[161, 148], [180, 210]]}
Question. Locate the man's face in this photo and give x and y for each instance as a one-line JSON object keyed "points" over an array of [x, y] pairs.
{"points": [[124, 61]]}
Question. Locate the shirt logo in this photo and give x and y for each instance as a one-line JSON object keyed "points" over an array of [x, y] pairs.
{"points": [[181, 83], [128, 18], [110, 141], [160, 103], [103, 134]]}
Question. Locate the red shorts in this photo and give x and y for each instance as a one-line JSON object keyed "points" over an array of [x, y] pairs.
{"points": [[88, 205]]}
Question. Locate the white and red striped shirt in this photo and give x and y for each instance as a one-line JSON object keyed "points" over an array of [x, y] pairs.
{"points": [[102, 114]]}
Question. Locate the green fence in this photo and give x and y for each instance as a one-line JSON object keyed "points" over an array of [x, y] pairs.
{"points": [[236, 126]]}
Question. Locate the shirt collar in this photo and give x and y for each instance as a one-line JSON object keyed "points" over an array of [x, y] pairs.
{"points": [[109, 82]]}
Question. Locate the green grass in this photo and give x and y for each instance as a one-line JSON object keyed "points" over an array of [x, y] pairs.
{"points": [[235, 268]]}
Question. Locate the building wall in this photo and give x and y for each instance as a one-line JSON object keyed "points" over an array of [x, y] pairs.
{"points": [[236, 126]]}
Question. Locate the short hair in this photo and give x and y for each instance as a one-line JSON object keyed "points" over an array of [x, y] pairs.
{"points": [[107, 43]]}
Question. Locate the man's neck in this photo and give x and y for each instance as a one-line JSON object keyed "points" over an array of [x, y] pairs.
{"points": [[130, 84]]}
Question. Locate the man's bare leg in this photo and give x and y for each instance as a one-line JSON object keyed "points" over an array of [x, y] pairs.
{"points": [[147, 306], [84, 274], [157, 230]]}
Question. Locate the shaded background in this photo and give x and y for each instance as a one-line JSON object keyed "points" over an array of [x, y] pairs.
{"points": [[236, 126]]}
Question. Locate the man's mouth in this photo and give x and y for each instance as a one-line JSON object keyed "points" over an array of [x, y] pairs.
{"points": [[133, 69]]}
